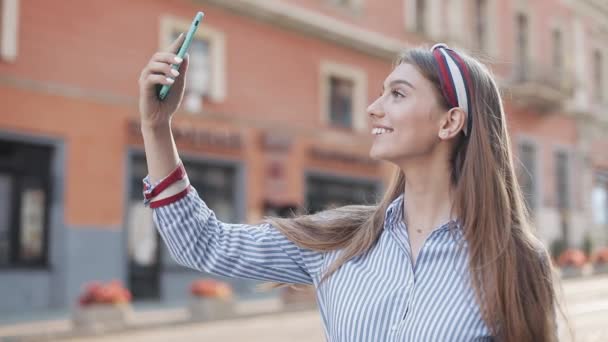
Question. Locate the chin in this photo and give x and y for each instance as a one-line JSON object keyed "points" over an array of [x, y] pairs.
{"points": [[378, 155]]}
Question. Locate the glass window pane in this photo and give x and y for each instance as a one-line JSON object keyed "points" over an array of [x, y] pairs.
{"points": [[32, 224], [199, 69], [420, 16], [481, 20], [142, 235], [341, 101], [527, 172], [561, 169], [6, 189], [324, 193], [599, 203]]}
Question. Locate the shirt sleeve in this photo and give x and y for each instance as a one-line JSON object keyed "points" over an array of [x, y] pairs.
{"points": [[198, 240]]}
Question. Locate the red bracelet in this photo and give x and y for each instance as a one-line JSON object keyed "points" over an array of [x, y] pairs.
{"points": [[171, 199], [178, 174]]}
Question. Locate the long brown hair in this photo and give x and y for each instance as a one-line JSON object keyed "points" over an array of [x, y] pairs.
{"points": [[510, 269]]}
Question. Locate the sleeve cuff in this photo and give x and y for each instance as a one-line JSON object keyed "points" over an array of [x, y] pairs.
{"points": [[170, 189]]}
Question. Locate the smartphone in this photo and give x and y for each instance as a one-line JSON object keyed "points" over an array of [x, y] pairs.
{"points": [[164, 90]]}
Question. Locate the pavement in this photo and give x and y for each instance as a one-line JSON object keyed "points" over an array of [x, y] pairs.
{"points": [[294, 327], [586, 306]]}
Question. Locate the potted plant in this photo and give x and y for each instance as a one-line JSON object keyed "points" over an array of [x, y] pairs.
{"points": [[600, 260], [211, 299], [102, 307], [571, 262]]}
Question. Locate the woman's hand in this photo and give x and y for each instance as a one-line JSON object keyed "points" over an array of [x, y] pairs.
{"points": [[157, 72]]}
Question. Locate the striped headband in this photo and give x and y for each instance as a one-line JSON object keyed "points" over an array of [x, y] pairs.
{"points": [[455, 80]]}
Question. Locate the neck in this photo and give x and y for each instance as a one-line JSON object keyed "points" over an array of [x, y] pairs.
{"points": [[428, 195]]}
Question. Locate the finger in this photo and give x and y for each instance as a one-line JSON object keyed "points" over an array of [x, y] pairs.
{"points": [[152, 80], [183, 68], [162, 69], [174, 47], [165, 57]]}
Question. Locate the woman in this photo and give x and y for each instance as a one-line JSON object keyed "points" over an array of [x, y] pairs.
{"points": [[446, 255]]}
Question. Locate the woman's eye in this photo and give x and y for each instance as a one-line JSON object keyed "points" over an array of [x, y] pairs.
{"points": [[397, 94]]}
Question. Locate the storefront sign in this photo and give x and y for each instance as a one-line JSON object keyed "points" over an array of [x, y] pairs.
{"points": [[197, 136], [341, 157]]}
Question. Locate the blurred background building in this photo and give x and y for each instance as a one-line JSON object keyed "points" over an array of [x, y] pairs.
{"points": [[273, 122]]}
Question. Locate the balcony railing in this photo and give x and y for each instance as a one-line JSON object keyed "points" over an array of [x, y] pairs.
{"points": [[540, 87]]}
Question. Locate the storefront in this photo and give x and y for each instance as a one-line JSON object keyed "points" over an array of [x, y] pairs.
{"points": [[284, 175]]}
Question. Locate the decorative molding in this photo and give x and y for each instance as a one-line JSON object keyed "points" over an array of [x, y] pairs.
{"points": [[597, 10], [328, 155], [314, 24]]}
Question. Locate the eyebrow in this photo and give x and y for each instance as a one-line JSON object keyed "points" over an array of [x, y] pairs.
{"points": [[393, 82]]}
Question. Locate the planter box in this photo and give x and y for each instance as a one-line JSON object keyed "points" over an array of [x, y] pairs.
{"points": [[600, 268], [204, 309], [99, 318], [571, 272]]}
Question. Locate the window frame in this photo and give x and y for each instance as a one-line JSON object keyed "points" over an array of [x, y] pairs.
{"points": [[217, 51], [18, 173], [359, 78], [535, 174], [9, 27]]}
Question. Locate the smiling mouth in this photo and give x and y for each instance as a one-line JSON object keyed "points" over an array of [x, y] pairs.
{"points": [[380, 131]]}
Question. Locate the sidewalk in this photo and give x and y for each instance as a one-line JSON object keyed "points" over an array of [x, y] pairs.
{"points": [[304, 326], [266, 320]]}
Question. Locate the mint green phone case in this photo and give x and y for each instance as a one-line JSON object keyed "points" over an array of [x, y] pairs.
{"points": [[164, 90]]}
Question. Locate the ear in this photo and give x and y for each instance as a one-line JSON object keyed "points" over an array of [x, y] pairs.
{"points": [[452, 123]]}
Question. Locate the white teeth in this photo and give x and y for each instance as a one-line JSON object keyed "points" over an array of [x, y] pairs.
{"points": [[378, 131]]}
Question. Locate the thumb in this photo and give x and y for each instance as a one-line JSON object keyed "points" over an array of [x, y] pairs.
{"points": [[174, 47]]}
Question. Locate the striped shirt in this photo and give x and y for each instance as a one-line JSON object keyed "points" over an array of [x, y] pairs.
{"points": [[378, 296]]}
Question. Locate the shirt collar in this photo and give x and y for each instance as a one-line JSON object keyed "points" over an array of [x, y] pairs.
{"points": [[394, 213]]}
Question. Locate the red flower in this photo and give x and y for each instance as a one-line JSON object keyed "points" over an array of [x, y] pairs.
{"points": [[572, 257], [210, 288], [600, 256], [111, 293]]}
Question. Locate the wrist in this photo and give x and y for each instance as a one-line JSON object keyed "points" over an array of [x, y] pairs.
{"points": [[155, 127]]}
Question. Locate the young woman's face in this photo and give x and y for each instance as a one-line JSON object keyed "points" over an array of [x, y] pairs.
{"points": [[409, 110]]}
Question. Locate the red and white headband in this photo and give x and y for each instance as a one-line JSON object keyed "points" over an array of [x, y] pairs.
{"points": [[455, 80]]}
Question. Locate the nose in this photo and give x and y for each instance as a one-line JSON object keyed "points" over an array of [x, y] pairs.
{"points": [[375, 109]]}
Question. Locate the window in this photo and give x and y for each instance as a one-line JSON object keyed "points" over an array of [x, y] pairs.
{"points": [[206, 72], [25, 192], [527, 174], [558, 53], [199, 74], [421, 16], [9, 16], [562, 180], [598, 76], [341, 102], [599, 198], [522, 53], [348, 4], [343, 96], [325, 192], [481, 24]]}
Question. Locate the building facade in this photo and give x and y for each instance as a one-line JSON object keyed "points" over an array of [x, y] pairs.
{"points": [[273, 121]]}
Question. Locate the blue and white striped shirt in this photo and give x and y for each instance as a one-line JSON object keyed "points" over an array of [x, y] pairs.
{"points": [[379, 296]]}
